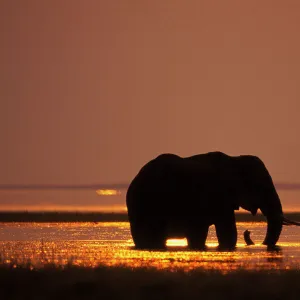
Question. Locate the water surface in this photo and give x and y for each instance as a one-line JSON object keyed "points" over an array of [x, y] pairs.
{"points": [[90, 244]]}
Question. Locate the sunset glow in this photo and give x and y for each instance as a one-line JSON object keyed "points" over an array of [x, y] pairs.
{"points": [[108, 192], [176, 243], [183, 243], [92, 248]]}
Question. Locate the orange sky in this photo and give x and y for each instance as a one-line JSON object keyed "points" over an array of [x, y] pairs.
{"points": [[91, 90]]}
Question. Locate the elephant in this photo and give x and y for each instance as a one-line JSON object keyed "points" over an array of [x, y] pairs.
{"points": [[180, 197]]}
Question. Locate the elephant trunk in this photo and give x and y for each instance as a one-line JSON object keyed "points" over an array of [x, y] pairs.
{"points": [[273, 230], [272, 210]]}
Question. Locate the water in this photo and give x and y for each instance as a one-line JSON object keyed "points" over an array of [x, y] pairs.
{"points": [[90, 244], [91, 200]]}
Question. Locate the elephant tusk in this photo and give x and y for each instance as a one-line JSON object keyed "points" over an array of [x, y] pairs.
{"points": [[285, 223], [288, 222]]}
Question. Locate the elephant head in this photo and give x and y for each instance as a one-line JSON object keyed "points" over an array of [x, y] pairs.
{"points": [[257, 191]]}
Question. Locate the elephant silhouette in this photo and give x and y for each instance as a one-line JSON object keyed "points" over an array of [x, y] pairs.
{"points": [[175, 197]]}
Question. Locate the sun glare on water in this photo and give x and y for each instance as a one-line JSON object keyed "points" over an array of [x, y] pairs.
{"points": [[110, 244], [183, 243], [176, 243]]}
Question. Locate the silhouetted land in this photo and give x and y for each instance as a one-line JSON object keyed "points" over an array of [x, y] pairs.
{"points": [[125, 283], [104, 217]]}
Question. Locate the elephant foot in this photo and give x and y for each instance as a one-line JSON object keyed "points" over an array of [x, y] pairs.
{"points": [[196, 236], [149, 244], [148, 236], [275, 248], [226, 248], [196, 244], [226, 232], [198, 248], [150, 247]]}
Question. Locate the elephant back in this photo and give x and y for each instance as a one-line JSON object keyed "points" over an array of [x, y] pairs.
{"points": [[151, 185]]}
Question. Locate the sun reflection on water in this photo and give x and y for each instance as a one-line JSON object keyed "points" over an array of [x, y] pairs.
{"points": [[110, 244], [176, 243]]}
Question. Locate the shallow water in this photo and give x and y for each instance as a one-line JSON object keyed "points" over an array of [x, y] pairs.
{"points": [[90, 244]]}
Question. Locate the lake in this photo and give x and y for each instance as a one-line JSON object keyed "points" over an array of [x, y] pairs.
{"points": [[110, 243]]}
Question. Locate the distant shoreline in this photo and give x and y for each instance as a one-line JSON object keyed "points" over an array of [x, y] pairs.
{"points": [[22, 216]]}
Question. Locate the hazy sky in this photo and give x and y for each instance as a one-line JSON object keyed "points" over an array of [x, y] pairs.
{"points": [[91, 90]]}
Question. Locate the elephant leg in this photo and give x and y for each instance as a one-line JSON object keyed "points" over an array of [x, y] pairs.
{"points": [[196, 236], [148, 235], [226, 231]]}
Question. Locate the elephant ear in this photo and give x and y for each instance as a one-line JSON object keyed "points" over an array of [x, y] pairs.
{"points": [[252, 173], [232, 183]]}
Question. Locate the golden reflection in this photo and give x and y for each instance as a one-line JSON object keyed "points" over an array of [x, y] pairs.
{"points": [[110, 244], [108, 192], [176, 243]]}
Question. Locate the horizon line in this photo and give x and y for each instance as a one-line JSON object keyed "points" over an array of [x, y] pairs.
{"points": [[114, 186]]}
